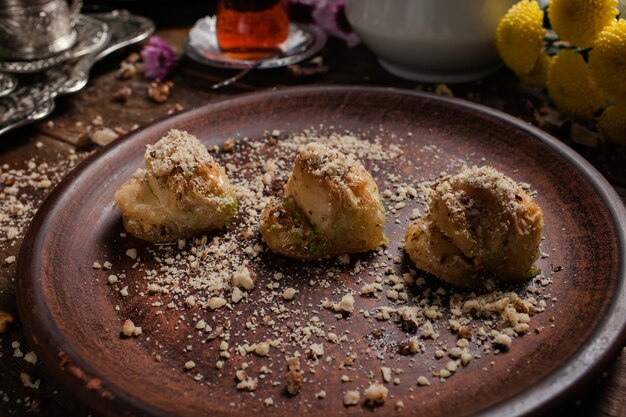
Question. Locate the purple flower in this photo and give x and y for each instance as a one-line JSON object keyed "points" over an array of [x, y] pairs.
{"points": [[158, 59], [329, 15]]}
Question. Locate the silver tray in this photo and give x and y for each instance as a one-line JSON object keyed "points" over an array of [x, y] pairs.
{"points": [[92, 35], [35, 100], [8, 83], [303, 42]]}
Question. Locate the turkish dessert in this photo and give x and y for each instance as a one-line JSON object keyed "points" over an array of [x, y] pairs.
{"points": [[331, 206], [182, 192], [480, 224]]}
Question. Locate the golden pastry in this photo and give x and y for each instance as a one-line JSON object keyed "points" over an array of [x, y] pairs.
{"points": [[331, 206], [489, 220], [433, 252], [182, 192]]}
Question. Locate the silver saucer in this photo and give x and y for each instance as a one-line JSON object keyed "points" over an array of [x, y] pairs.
{"points": [[93, 34], [8, 83], [303, 42]]}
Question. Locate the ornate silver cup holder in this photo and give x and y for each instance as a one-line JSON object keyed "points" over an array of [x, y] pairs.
{"points": [[92, 34], [8, 83], [28, 98]]}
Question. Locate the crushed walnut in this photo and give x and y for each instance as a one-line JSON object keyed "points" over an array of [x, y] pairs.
{"points": [[376, 394], [351, 398], [271, 332], [159, 92], [294, 377], [122, 94], [6, 319]]}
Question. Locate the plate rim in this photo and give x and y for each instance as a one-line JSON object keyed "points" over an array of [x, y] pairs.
{"points": [[582, 368]]}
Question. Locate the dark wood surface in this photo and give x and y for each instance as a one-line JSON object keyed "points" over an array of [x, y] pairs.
{"points": [[74, 114]]}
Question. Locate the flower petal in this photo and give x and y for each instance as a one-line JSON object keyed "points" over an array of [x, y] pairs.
{"points": [[158, 59]]}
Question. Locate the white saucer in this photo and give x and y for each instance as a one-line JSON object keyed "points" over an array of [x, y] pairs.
{"points": [[303, 42]]}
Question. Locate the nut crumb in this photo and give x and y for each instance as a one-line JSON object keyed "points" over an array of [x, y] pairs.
{"points": [[245, 383], [262, 348], [121, 95], [6, 319], [294, 378], [237, 295], [422, 381], [241, 278], [216, 302], [347, 303], [229, 145], [386, 373], [126, 71], [466, 358], [289, 293], [159, 92], [502, 341], [27, 381], [103, 136], [444, 90], [351, 398], [129, 329], [376, 394], [12, 233], [317, 350]]}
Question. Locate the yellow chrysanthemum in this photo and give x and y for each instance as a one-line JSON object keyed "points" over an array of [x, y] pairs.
{"points": [[571, 86], [519, 37], [612, 124], [537, 77], [580, 21], [607, 59]]}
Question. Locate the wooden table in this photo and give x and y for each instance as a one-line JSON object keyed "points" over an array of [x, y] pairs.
{"points": [[62, 140]]}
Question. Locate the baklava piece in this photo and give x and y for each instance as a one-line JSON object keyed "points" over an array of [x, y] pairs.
{"points": [[480, 224], [181, 193], [331, 206]]}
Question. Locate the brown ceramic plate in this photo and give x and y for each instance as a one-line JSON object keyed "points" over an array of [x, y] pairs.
{"points": [[75, 328]]}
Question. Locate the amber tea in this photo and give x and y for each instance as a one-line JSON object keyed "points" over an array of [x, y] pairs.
{"points": [[251, 29]]}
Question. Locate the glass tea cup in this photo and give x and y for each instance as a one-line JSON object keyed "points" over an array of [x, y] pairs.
{"points": [[251, 29]]}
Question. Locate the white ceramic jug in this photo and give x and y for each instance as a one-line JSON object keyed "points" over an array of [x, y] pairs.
{"points": [[431, 40]]}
